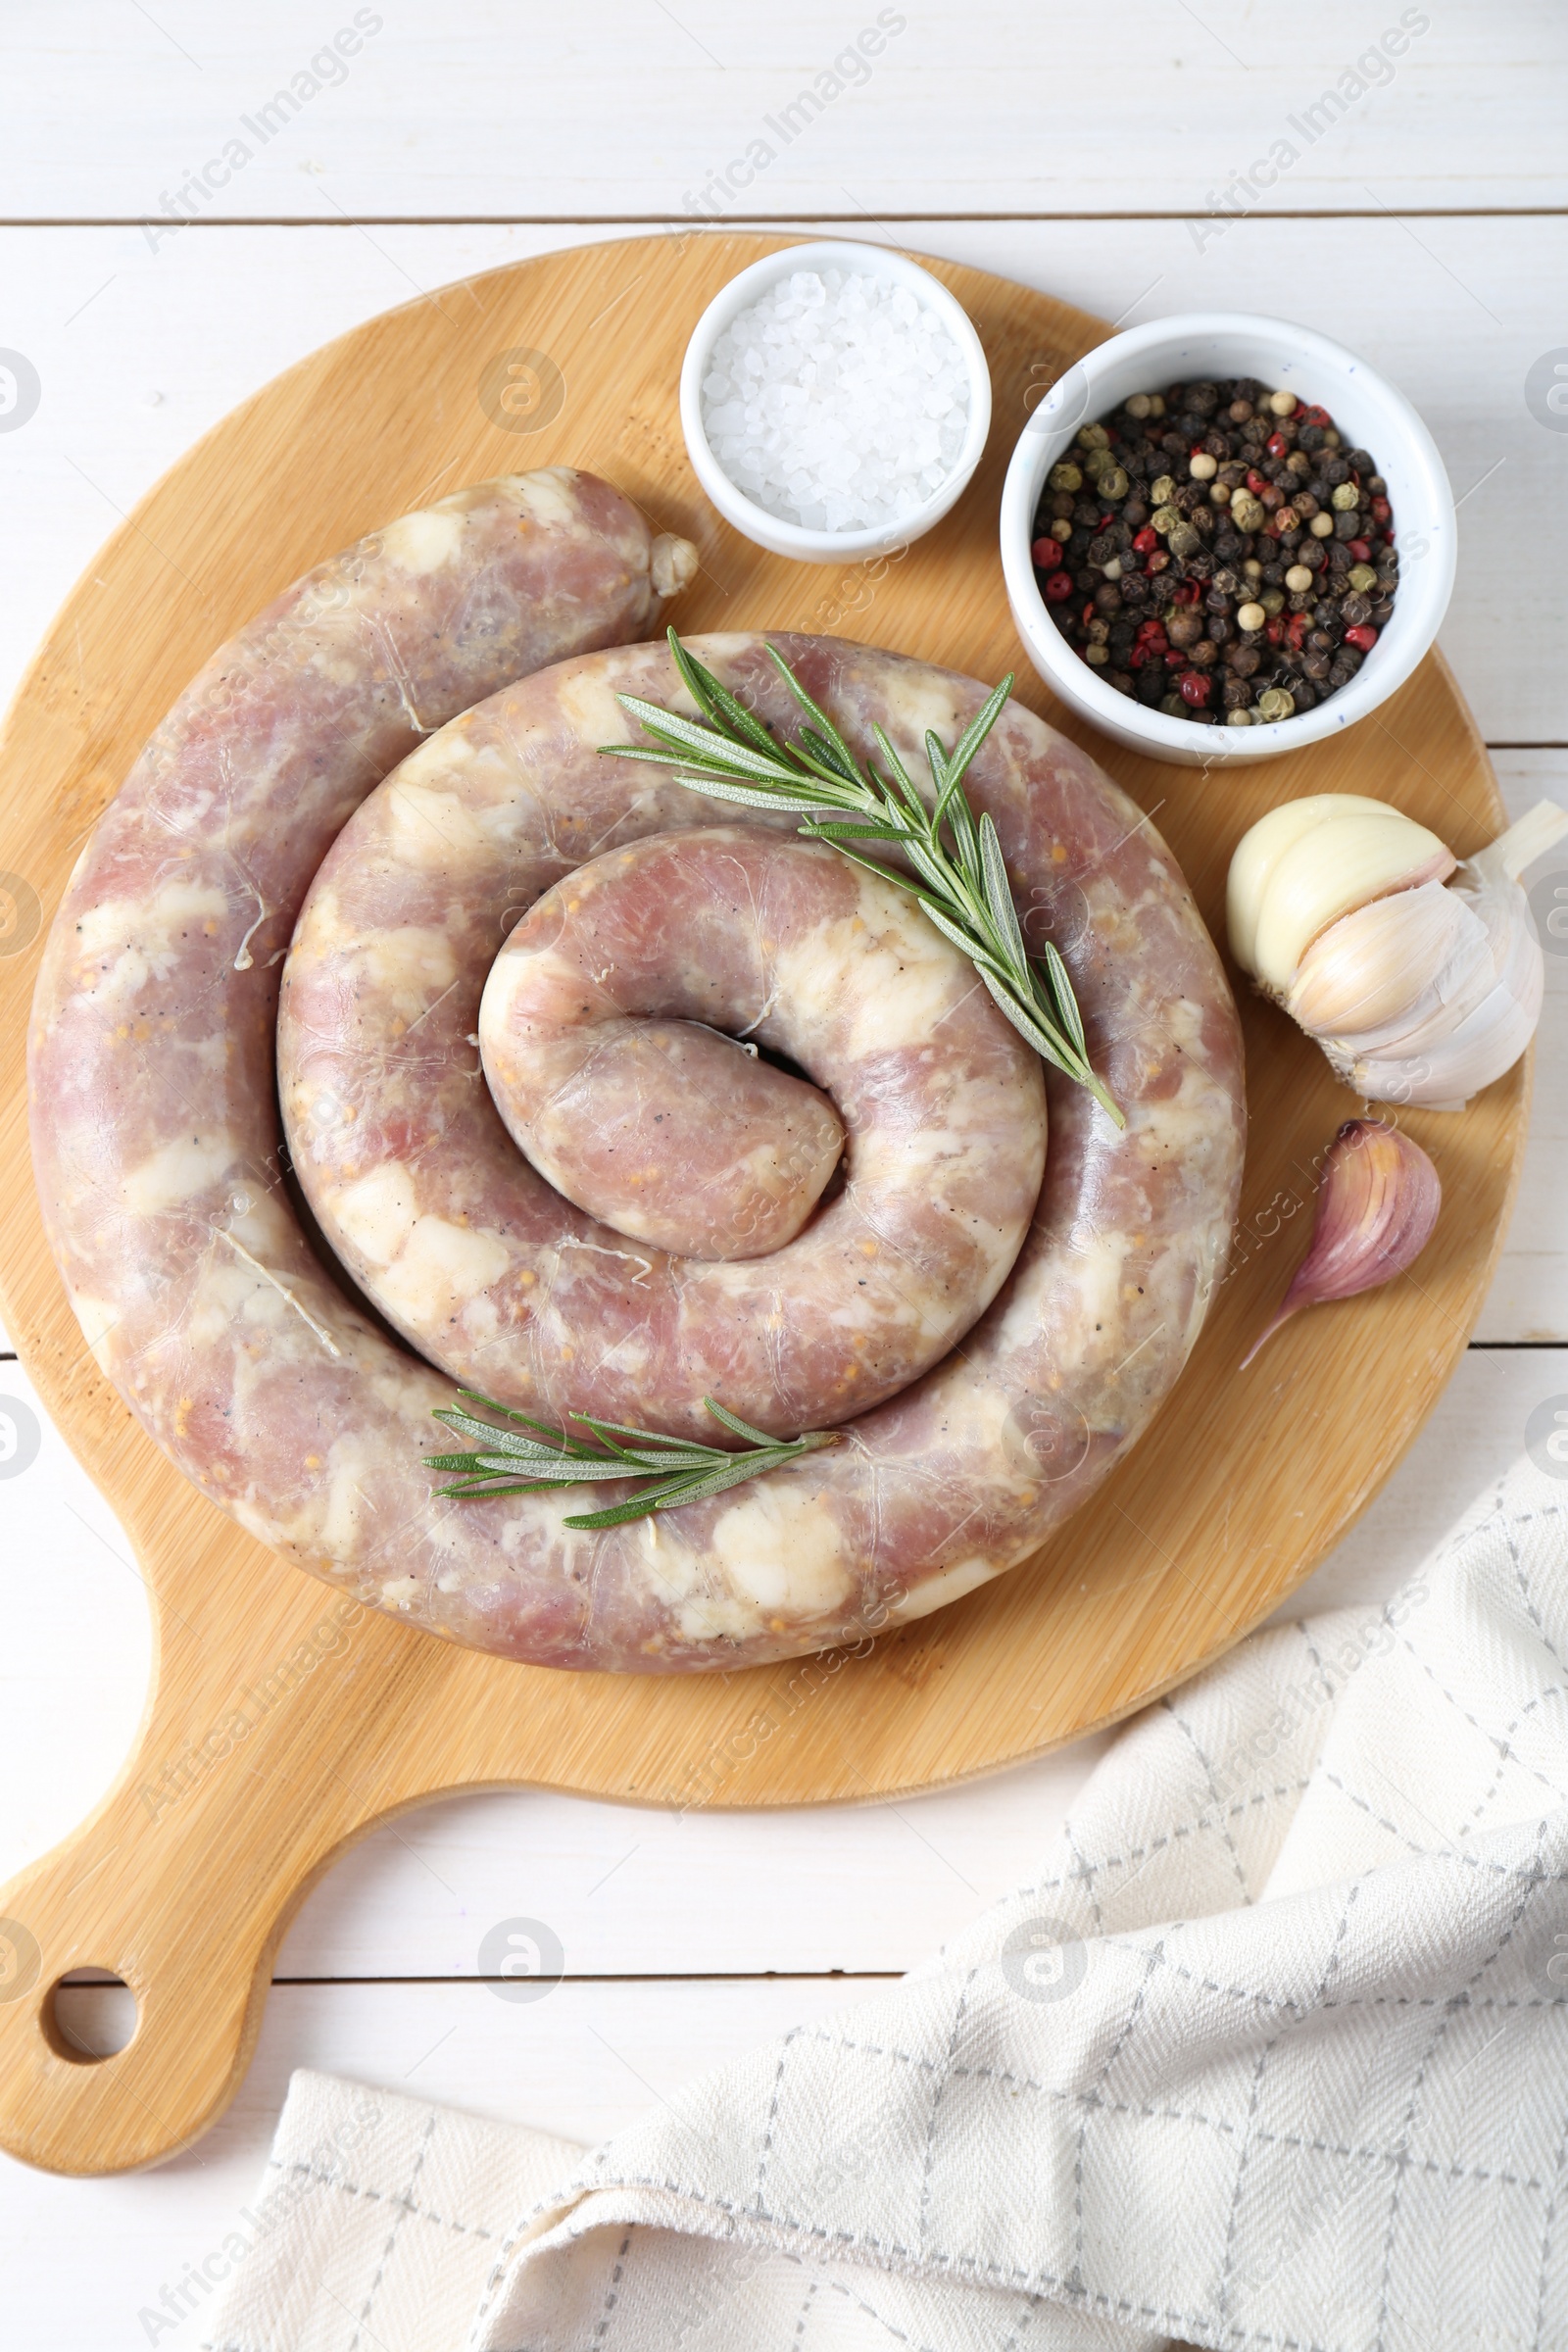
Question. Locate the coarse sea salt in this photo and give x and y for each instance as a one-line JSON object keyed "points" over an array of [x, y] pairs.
{"points": [[839, 400]]}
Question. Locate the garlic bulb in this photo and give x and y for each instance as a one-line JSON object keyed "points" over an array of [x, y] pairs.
{"points": [[1420, 988]]}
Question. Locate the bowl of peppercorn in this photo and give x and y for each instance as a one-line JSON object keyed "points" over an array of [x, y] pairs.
{"points": [[1225, 537]]}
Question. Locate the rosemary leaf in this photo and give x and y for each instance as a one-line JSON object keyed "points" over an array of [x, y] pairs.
{"points": [[998, 896], [1067, 1002]]}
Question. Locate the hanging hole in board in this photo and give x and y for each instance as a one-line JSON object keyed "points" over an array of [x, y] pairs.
{"points": [[88, 2016]]}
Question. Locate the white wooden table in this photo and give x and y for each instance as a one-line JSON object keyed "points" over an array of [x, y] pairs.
{"points": [[1091, 152]]}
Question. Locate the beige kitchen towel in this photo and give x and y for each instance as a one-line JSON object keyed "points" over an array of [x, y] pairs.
{"points": [[1270, 2051]]}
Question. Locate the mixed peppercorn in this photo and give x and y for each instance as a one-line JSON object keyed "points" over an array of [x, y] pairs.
{"points": [[1216, 552]]}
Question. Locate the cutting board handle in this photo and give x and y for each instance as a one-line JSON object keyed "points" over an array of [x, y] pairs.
{"points": [[235, 1798]]}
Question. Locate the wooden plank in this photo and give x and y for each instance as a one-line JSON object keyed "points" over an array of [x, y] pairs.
{"points": [[616, 108]]}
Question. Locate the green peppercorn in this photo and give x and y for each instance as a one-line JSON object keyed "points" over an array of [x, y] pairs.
{"points": [[1113, 482], [1345, 495], [1163, 490], [1093, 436], [1275, 703], [1362, 579], [1065, 475]]}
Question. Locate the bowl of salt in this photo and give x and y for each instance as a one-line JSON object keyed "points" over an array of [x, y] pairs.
{"points": [[835, 401]]}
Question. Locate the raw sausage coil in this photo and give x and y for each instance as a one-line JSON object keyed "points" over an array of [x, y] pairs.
{"points": [[156, 1124]]}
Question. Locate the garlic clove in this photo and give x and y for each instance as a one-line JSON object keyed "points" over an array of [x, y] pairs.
{"points": [[1481, 1019], [1258, 854], [1372, 973], [1364, 854], [1441, 1069], [1378, 1205]]}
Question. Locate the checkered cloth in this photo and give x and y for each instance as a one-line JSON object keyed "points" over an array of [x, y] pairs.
{"points": [[1272, 2052]]}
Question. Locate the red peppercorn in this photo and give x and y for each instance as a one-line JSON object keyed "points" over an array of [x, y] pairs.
{"points": [[1363, 638], [1296, 628], [1146, 541], [1188, 593], [1274, 630], [1089, 612], [1194, 688], [1360, 551], [1139, 654], [1257, 482], [1151, 628], [1059, 585], [1381, 510], [1047, 554], [1276, 445], [1174, 656], [1317, 417]]}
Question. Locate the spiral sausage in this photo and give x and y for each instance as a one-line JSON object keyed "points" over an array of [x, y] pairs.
{"points": [[156, 1137]]}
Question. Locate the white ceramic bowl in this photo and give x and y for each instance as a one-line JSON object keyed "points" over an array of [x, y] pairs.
{"points": [[770, 530], [1369, 413]]}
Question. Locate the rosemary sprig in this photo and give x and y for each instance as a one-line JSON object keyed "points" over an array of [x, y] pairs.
{"points": [[679, 1469], [960, 877]]}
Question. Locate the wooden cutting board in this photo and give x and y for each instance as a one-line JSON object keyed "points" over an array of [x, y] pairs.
{"points": [[283, 1723]]}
